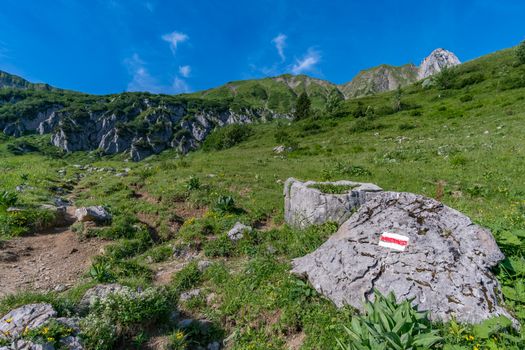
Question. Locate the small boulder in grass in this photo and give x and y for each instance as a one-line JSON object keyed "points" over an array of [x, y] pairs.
{"points": [[97, 214], [238, 231]]}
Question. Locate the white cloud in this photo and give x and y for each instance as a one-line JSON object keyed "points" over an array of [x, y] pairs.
{"points": [[142, 80], [307, 63], [174, 39], [280, 43], [185, 71], [150, 6], [180, 86]]}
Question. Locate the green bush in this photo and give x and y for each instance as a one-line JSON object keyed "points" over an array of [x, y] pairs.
{"points": [[221, 246], [193, 183], [520, 52], [227, 137], [8, 199], [124, 314], [225, 204], [187, 278], [389, 325]]}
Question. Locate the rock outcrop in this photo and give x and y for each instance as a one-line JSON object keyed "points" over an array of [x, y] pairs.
{"points": [[445, 266], [436, 62], [387, 78], [16, 323], [306, 205]]}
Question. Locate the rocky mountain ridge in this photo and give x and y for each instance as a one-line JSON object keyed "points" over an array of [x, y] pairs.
{"points": [[143, 124]]}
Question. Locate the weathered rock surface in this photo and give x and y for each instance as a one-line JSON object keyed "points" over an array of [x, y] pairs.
{"points": [[305, 205], [445, 267], [30, 316], [96, 214], [99, 292], [436, 62], [238, 231]]}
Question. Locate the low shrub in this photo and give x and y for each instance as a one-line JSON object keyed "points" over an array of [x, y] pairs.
{"points": [[227, 137], [186, 278], [389, 325]]}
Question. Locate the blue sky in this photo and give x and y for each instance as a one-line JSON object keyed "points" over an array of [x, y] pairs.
{"points": [[110, 46]]}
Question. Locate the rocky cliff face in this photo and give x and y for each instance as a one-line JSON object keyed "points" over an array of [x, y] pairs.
{"points": [[146, 127], [145, 124], [435, 62]]}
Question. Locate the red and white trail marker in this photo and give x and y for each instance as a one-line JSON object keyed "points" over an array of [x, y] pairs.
{"points": [[393, 241]]}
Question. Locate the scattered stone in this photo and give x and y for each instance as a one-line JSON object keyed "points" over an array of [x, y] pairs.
{"points": [[305, 205], [190, 294], [28, 316], [445, 267], [238, 230], [59, 288], [8, 256], [281, 149], [203, 265], [214, 346], [99, 292], [96, 214]]}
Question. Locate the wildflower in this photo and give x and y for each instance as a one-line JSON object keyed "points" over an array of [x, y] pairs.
{"points": [[50, 339], [9, 320], [179, 335], [469, 337], [45, 330]]}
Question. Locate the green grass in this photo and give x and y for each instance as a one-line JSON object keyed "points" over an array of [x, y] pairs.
{"points": [[472, 146], [332, 188]]}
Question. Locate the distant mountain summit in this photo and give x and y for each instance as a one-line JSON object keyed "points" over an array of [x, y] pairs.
{"points": [[436, 61], [13, 81], [386, 77]]}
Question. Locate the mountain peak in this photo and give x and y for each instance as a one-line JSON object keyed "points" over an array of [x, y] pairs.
{"points": [[436, 61]]}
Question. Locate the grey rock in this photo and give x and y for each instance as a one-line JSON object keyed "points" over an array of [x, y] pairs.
{"points": [[445, 267], [31, 316], [436, 62], [203, 265], [238, 230], [214, 346], [190, 294], [28, 345], [71, 343], [99, 292], [281, 149], [305, 206], [97, 214]]}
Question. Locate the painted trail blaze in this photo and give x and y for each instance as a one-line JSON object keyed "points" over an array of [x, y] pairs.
{"points": [[393, 241]]}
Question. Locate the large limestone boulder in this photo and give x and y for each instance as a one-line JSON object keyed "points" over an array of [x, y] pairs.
{"points": [[306, 204], [445, 266]]}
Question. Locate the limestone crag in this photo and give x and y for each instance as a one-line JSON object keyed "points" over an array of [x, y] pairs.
{"points": [[445, 267]]}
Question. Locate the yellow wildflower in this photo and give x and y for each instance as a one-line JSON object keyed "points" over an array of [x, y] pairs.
{"points": [[179, 335], [50, 339], [45, 330], [9, 320]]}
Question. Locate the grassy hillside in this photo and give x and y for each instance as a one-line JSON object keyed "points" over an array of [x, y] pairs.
{"points": [[463, 137]]}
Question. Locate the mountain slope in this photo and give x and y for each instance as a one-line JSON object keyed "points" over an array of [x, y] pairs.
{"points": [[386, 78], [12, 81], [142, 124]]}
